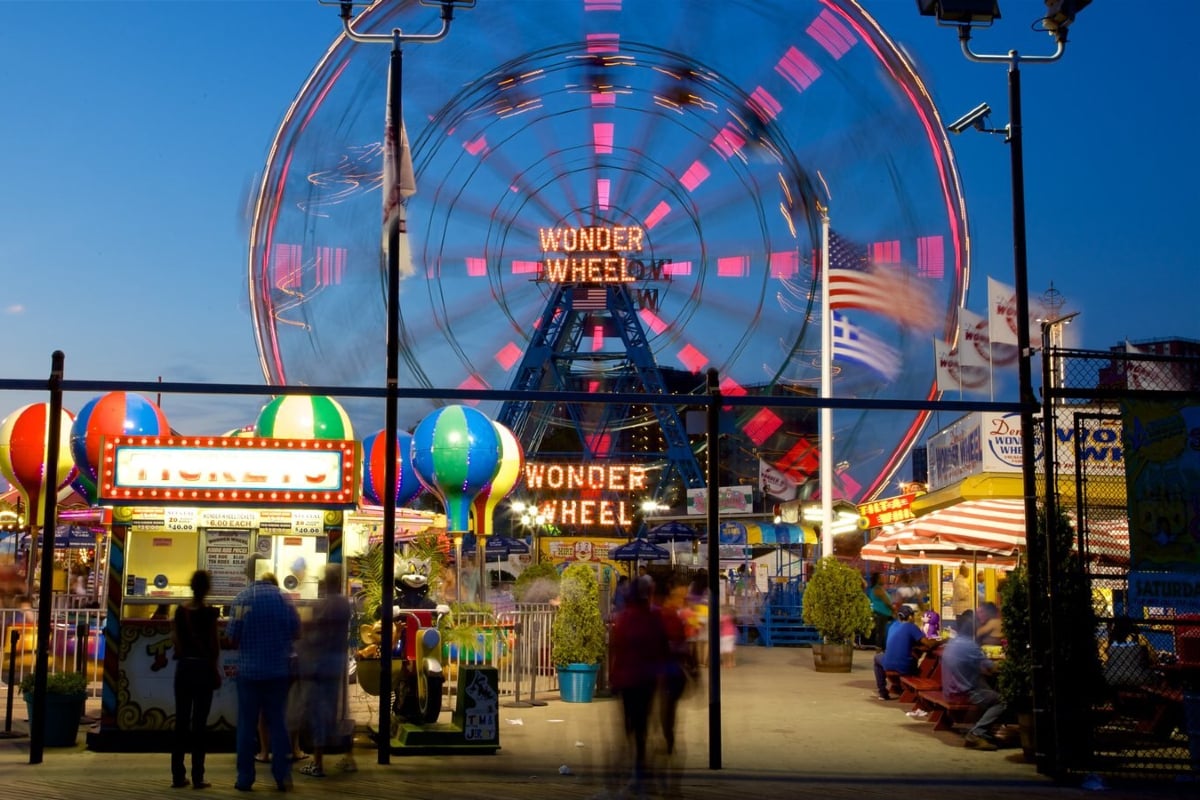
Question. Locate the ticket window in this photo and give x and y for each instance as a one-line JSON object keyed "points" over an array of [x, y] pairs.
{"points": [[298, 562], [158, 569]]}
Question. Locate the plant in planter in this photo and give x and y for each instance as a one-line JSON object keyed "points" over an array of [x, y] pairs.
{"points": [[578, 636], [835, 603], [1074, 625], [65, 696]]}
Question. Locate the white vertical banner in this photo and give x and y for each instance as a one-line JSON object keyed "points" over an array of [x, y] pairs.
{"points": [[974, 344], [1002, 312], [945, 359]]}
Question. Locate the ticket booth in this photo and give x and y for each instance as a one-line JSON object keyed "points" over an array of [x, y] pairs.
{"points": [[181, 504]]}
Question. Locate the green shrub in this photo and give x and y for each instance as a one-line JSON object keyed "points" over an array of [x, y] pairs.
{"points": [[58, 683], [578, 634], [835, 602]]}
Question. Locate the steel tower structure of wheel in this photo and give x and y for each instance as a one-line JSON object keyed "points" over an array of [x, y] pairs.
{"points": [[717, 129]]}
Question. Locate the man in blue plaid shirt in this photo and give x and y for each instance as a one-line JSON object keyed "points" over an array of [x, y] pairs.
{"points": [[263, 627]]}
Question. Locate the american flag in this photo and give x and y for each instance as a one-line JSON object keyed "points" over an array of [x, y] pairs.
{"points": [[589, 298], [856, 283], [852, 343]]}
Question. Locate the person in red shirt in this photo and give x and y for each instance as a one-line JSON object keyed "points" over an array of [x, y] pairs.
{"points": [[637, 651]]}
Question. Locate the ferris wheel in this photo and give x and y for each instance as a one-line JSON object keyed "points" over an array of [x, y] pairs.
{"points": [[719, 130]]}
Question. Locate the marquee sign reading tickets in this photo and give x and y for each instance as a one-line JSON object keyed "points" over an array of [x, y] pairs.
{"points": [[211, 470]]}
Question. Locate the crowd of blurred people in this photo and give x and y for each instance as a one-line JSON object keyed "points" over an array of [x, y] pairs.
{"points": [[658, 647]]}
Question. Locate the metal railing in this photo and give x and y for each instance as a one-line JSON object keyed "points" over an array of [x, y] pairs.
{"points": [[516, 642], [76, 644]]}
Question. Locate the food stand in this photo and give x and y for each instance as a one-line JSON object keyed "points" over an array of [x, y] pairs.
{"points": [[186, 503]]}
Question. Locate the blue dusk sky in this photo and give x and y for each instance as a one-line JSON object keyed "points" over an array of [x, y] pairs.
{"points": [[134, 136]]}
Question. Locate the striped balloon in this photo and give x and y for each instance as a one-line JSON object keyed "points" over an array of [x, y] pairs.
{"points": [[84, 486], [24, 435], [508, 475], [374, 466], [112, 414], [297, 417], [455, 452]]}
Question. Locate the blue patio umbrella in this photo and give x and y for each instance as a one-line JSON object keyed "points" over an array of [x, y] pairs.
{"points": [[497, 548], [673, 532], [637, 550]]}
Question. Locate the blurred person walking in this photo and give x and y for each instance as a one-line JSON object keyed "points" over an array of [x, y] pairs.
{"points": [[637, 653], [197, 676], [324, 653]]}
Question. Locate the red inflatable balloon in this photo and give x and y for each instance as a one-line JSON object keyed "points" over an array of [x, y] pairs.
{"points": [[24, 436]]}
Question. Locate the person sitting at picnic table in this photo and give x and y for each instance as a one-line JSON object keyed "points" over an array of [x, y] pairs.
{"points": [[964, 671], [989, 629], [904, 641]]}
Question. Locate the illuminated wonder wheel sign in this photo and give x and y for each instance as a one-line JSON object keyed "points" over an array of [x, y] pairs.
{"points": [[640, 165]]}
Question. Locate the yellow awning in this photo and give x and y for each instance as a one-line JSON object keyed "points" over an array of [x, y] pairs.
{"points": [[1107, 490]]}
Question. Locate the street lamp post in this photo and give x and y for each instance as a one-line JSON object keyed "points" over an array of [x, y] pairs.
{"points": [[965, 14], [395, 151]]}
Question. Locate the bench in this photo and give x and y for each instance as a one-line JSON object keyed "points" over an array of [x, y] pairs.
{"points": [[912, 686], [944, 713], [927, 679]]}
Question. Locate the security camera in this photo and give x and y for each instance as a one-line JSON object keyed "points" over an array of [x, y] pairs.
{"points": [[972, 119]]}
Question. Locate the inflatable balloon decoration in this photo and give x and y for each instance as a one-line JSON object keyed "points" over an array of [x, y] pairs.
{"points": [[374, 466], [508, 475], [112, 414], [24, 436], [299, 417], [455, 452], [84, 486]]}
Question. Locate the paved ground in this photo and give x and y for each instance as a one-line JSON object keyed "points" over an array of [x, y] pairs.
{"points": [[788, 731]]}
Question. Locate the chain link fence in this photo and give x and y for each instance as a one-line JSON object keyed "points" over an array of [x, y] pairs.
{"points": [[1142, 717]]}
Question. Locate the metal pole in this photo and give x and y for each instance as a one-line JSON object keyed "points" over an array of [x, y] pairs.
{"points": [[1037, 540], [826, 454], [395, 74], [1037, 543], [14, 636], [714, 561], [37, 723]]}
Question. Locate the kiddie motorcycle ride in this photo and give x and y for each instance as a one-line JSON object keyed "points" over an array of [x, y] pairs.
{"points": [[417, 676]]}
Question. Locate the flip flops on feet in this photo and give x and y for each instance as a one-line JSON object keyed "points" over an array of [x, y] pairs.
{"points": [[312, 771]]}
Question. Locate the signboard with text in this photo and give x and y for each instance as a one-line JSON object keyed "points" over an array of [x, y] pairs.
{"points": [[211, 470]]}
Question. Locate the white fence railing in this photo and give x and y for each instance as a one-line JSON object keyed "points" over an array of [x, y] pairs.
{"points": [[76, 644], [515, 642]]}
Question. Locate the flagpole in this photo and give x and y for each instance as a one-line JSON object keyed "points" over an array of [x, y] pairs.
{"points": [[826, 421], [394, 192]]}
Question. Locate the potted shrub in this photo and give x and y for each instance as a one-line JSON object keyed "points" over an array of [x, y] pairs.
{"points": [[1014, 676], [1074, 626], [66, 693], [835, 603], [578, 636]]}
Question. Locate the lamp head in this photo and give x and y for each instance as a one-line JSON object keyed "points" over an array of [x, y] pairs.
{"points": [[972, 13], [1061, 13]]}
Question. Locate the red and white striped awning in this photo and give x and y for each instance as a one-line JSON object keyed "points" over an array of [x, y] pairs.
{"points": [[982, 526], [990, 531], [886, 548]]}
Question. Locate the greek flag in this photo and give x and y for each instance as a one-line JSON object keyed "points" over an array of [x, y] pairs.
{"points": [[853, 344]]}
